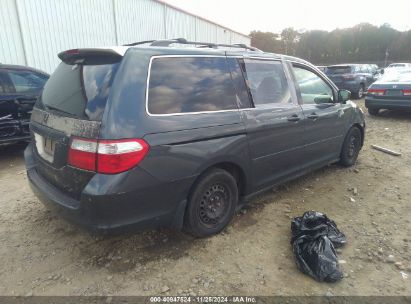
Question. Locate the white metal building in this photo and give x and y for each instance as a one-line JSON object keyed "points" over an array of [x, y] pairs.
{"points": [[32, 32]]}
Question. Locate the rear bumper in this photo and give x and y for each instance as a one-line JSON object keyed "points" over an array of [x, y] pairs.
{"points": [[390, 104], [110, 209]]}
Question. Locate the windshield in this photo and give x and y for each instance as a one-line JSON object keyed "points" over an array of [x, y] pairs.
{"points": [[338, 70], [79, 90]]}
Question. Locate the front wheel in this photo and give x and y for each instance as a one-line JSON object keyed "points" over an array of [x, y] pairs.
{"points": [[351, 147], [211, 204]]}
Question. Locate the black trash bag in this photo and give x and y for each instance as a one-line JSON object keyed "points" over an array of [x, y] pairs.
{"points": [[314, 236], [314, 223]]}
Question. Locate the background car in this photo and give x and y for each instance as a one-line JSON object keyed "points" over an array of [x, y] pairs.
{"points": [[355, 78], [20, 87], [392, 91], [375, 71]]}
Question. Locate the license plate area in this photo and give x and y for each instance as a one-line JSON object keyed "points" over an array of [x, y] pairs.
{"points": [[393, 93], [45, 147]]}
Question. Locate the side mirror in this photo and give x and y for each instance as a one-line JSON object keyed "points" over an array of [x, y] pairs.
{"points": [[343, 95]]}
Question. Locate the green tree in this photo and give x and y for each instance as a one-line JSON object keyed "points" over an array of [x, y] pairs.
{"points": [[361, 43], [266, 41], [289, 38]]}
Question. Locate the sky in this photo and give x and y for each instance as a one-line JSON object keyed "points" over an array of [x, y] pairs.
{"points": [[273, 16]]}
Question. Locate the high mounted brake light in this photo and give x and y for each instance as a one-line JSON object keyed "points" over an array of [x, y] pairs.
{"points": [[72, 52], [91, 56], [106, 156]]}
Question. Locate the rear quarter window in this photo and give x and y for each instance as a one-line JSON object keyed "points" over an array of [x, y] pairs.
{"points": [[190, 84]]}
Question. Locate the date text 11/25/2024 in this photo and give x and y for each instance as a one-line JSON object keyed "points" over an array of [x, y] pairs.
{"points": [[202, 299]]}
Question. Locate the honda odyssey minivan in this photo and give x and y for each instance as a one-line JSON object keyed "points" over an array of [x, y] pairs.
{"points": [[153, 134]]}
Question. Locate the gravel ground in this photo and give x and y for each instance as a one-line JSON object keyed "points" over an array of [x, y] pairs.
{"points": [[42, 254]]}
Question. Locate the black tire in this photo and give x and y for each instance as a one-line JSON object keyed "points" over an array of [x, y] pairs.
{"points": [[351, 147], [360, 92], [211, 204], [373, 111]]}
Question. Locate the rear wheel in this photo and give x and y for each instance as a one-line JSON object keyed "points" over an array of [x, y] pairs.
{"points": [[351, 147], [373, 111], [211, 204], [360, 93]]}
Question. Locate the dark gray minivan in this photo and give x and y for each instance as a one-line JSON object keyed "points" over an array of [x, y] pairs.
{"points": [[157, 135]]}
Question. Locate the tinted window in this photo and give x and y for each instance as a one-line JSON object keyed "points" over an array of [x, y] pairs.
{"points": [[237, 68], [313, 89], [190, 84], [5, 83], [27, 81], [267, 82], [79, 90]]}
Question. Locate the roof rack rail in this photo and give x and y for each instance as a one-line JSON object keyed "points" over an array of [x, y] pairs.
{"points": [[140, 42], [167, 42]]}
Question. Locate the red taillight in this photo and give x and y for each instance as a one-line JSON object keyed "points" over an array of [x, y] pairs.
{"points": [[83, 154], [107, 156], [115, 156], [376, 92], [406, 92]]}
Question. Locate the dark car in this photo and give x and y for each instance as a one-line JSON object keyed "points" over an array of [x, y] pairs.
{"points": [[20, 86], [375, 71], [155, 135], [392, 92], [355, 78]]}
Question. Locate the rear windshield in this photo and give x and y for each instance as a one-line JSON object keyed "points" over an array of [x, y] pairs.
{"points": [[402, 77], [338, 70], [79, 90]]}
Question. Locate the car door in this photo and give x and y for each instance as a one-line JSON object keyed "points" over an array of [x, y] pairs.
{"points": [[7, 93], [274, 123], [27, 86], [324, 117]]}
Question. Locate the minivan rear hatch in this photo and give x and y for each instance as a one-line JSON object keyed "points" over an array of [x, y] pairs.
{"points": [[71, 106], [336, 73]]}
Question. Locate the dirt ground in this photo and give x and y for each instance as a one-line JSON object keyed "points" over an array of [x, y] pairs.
{"points": [[42, 254]]}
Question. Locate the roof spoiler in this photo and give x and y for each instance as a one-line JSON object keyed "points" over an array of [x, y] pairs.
{"points": [[90, 56]]}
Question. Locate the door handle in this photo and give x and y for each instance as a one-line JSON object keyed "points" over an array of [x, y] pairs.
{"points": [[293, 117], [313, 116]]}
